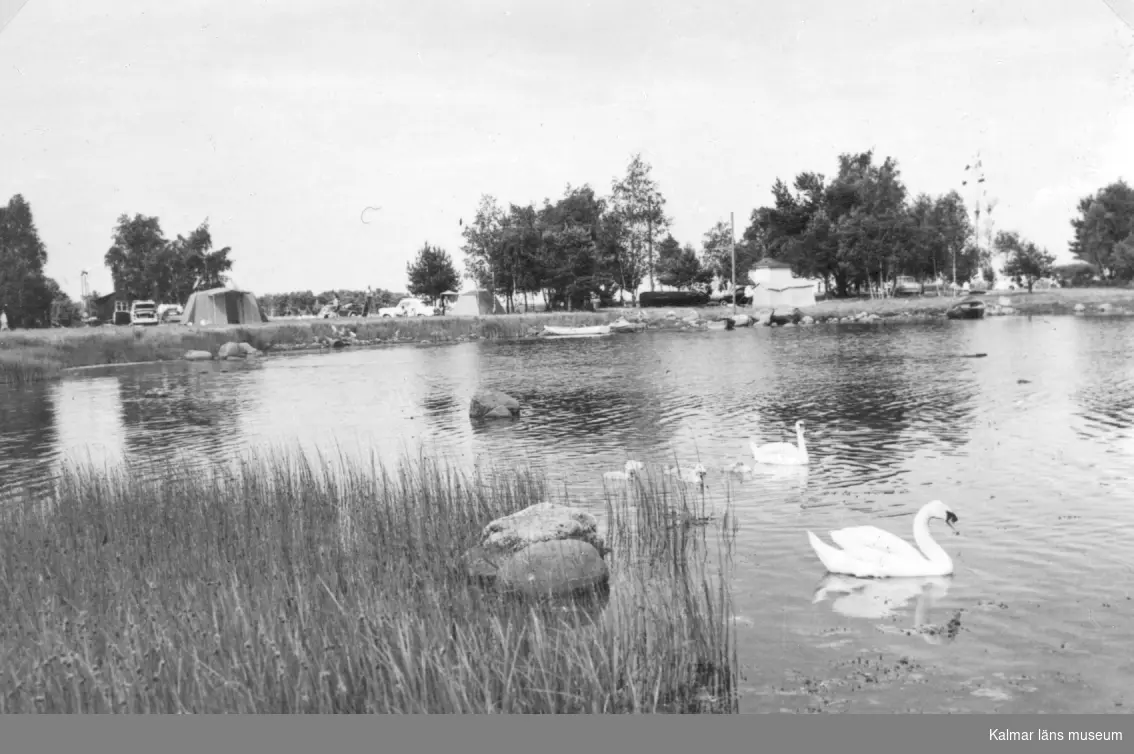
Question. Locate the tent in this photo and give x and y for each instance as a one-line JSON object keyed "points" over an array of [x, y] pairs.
{"points": [[774, 287], [222, 306], [472, 304]]}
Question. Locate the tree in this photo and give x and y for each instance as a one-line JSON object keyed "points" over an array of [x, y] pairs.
{"points": [[679, 266], [1025, 262], [145, 265], [1106, 219], [25, 293], [432, 273], [641, 210], [483, 247]]}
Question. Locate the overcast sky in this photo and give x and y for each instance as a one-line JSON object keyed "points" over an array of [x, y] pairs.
{"points": [[282, 121]]}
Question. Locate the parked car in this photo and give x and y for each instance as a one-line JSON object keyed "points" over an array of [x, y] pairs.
{"points": [[905, 285], [408, 307], [143, 313]]}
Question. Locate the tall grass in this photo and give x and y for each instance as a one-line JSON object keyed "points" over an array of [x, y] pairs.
{"points": [[283, 586]]}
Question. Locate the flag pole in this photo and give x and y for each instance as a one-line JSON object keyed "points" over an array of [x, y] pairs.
{"points": [[732, 239]]}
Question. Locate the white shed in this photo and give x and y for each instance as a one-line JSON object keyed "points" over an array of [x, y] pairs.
{"points": [[774, 287]]}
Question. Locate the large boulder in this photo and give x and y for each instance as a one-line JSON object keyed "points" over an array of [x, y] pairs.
{"points": [[493, 404], [230, 351], [545, 550]]}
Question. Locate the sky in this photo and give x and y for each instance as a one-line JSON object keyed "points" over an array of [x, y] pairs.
{"points": [[282, 122]]}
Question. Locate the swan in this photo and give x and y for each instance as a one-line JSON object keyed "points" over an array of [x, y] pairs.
{"points": [[695, 475], [870, 552], [738, 468], [783, 453], [631, 470]]}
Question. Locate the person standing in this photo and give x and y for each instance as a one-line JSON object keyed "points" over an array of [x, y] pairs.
{"points": [[3, 320]]}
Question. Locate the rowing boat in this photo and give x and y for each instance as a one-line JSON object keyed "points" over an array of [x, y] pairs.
{"points": [[576, 332]]}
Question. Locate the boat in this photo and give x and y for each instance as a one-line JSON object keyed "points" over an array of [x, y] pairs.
{"points": [[966, 310], [593, 331]]}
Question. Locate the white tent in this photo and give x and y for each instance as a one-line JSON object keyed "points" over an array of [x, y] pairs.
{"points": [[472, 304], [774, 287]]}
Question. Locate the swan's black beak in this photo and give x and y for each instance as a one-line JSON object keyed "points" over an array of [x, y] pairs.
{"points": [[950, 519]]}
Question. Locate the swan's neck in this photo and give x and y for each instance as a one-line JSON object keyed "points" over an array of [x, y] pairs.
{"points": [[799, 437], [929, 547]]}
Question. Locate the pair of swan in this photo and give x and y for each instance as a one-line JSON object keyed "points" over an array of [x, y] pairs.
{"points": [[632, 469], [870, 552]]}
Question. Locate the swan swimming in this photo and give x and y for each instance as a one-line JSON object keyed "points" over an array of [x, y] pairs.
{"points": [[870, 552], [783, 453], [631, 470], [695, 475]]}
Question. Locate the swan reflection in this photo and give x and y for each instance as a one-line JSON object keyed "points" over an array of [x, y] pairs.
{"points": [[875, 599]]}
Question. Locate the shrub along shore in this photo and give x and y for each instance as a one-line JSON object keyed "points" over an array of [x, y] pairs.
{"points": [[32, 355], [283, 586]]}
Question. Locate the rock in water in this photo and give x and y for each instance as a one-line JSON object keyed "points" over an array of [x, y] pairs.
{"points": [[552, 569], [230, 351], [248, 349], [493, 404], [198, 356], [542, 522], [545, 550]]}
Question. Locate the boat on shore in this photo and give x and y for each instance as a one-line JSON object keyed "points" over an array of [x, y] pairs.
{"points": [[592, 331], [966, 310]]}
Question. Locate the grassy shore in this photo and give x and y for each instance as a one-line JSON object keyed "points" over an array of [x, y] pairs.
{"points": [[282, 587], [32, 355]]}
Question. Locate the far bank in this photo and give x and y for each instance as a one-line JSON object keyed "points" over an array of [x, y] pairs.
{"points": [[32, 355]]}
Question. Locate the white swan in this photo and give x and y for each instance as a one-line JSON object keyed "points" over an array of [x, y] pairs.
{"points": [[783, 453], [868, 551], [632, 470], [695, 475]]}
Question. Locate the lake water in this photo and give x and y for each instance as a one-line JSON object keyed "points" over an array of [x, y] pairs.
{"points": [[1032, 446]]}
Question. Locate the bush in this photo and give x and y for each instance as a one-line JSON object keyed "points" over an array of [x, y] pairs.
{"points": [[673, 298]]}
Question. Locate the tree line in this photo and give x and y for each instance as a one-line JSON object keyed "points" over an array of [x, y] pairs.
{"points": [[854, 231]]}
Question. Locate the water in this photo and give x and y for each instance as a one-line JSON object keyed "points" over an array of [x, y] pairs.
{"points": [[1032, 446]]}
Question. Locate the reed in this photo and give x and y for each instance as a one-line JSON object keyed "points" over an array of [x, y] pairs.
{"points": [[283, 585], [26, 366]]}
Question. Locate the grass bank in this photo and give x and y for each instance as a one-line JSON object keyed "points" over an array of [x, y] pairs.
{"points": [[287, 587], [31, 355], [1047, 302]]}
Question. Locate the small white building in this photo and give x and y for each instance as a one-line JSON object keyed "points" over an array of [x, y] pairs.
{"points": [[774, 286]]}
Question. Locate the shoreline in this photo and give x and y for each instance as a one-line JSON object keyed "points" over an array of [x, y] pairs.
{"points": [[35, 355]]}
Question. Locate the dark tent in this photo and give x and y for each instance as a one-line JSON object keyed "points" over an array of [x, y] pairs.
{"points": [[222, 306]]}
